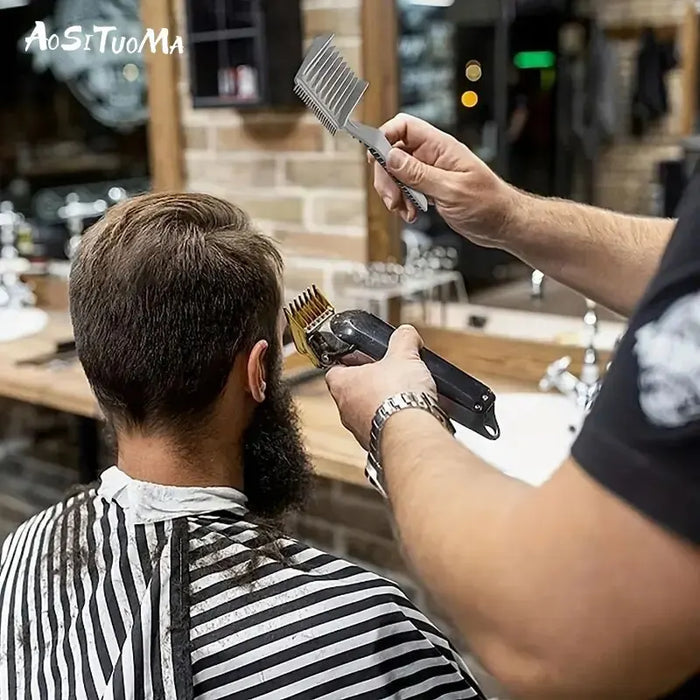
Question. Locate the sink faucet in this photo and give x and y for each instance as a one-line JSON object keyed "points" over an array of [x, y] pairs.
{"points": [[537, 285], [585, 388], [8, 227], [590, 372], [74, 213], [558, 377], [14, 293], [117, 194]]}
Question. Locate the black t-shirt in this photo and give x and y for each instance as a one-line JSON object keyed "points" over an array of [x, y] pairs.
{"points": [[642, 437]]}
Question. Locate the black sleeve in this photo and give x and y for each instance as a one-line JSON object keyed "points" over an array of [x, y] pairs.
{"points": [[642, 437]]}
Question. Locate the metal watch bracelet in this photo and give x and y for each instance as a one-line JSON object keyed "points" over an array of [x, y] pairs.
{"points": [[373, 469]]}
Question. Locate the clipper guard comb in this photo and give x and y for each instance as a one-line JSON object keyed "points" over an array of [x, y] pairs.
{"points": [[306, 315], [328, 338]]}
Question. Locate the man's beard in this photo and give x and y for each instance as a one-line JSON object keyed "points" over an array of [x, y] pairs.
{"points": [[276, 467]]}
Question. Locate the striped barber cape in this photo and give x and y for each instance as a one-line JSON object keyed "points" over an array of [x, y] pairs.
{"points": [[111, 594]]}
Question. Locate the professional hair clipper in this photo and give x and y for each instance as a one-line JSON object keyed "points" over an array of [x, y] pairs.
{"points": [[328, 338]]}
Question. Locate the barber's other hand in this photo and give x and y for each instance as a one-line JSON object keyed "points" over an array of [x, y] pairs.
{"points": [[468, 195], [360, 391]]}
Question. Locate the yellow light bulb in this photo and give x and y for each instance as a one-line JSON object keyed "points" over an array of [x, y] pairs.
{"points": [[470, 99]]}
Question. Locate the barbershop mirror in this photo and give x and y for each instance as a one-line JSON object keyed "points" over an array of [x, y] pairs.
{"points": [[73, 114], [515, 81]]}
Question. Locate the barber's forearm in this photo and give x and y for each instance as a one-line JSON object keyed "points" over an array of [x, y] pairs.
{"points": [[461, 525], [608, 257], [538, 579], [453, 516]]}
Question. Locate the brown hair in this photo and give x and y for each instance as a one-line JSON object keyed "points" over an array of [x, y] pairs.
{"points": [[165, 291]]}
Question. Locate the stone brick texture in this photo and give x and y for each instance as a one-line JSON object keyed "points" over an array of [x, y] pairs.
{"points": [[304, 187]]}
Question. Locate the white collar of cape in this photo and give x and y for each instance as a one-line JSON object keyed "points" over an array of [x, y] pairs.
{"points": [[144, 502]]}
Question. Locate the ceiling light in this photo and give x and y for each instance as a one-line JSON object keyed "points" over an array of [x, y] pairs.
{"points": [[131, 72]]}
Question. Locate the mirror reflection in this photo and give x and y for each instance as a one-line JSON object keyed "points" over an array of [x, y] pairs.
{"points": [[72, 122], [549, 94]]}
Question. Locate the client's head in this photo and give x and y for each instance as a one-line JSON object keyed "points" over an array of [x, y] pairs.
{"points": [[176, 308]]}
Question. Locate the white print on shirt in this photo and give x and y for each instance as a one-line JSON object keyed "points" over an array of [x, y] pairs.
{"points": [[668, 353]]}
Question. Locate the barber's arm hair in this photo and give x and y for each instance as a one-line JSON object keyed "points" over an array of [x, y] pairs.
{"points": [[562, 591], [606, 256]]}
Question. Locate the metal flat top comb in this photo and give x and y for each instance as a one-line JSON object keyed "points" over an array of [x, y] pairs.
{"points": [[331, 90]]}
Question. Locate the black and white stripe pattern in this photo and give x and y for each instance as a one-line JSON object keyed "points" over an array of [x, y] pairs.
{"points": [[204, 606]]}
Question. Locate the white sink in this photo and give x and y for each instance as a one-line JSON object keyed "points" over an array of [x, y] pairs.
{"points": [[535, 439], [19, 323]]}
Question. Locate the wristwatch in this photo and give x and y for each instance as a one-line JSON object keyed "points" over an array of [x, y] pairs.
{"points": [[373, 470]]}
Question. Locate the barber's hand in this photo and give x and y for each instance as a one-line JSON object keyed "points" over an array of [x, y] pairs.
{"points": [[471, 198], [360, 391]]}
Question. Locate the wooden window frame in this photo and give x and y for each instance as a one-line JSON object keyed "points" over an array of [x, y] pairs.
{"points": [[381, 102], [165, 144]]}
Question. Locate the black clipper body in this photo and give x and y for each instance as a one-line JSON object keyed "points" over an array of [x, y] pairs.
{"points": [[354, 337]]}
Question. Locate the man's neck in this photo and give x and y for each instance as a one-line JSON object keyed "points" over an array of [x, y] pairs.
{"points": [[158, 461]]}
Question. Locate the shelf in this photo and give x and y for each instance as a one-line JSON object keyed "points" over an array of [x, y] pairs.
{"points": [[225, 101], [223, 35], [629, 32], [78, 163], [244, 53]]}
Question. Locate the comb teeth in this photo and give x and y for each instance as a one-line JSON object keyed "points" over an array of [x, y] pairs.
{"points": [[327, 85], [308, 100]]}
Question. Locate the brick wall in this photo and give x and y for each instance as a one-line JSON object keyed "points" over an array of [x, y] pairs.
{"points": [[38, 460], [626, 170], [302, 186]]}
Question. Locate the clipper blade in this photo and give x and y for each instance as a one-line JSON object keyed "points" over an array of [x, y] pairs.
{"points": [[305, 315]]}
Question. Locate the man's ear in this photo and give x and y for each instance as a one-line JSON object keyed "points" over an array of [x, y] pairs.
{"points": [[256, 371]]}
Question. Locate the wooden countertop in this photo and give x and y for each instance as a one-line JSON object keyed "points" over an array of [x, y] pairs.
{"points": [[334, 451], [64, 389]]}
